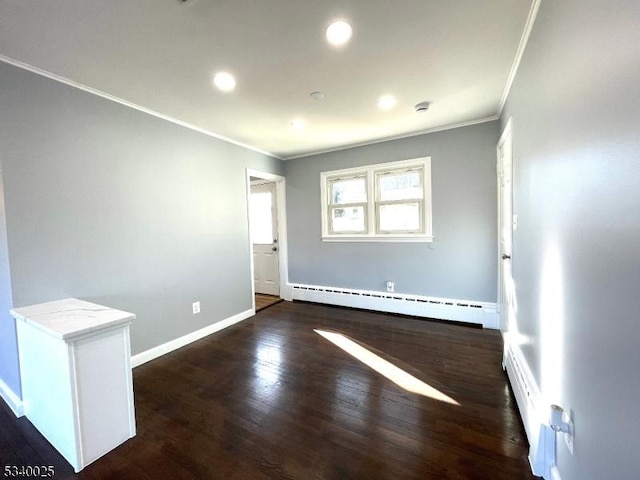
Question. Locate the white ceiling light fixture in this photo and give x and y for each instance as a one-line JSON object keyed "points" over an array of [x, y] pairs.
{"points": [[338, 33], [387, 102], [224, 81]]}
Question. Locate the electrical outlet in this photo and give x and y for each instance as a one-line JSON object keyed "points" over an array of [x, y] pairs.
{"points": [[196, 307], [390, 287], [568, 436]]}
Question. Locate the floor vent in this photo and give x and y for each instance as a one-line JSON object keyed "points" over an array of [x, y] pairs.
{"points": [[482, 313]]}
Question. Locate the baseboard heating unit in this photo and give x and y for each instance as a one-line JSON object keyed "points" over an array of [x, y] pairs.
{"points": [[534, 412], [481, 313]]}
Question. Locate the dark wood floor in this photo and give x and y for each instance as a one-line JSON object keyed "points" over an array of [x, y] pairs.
{"points": [[271, 399], [264, 301]]}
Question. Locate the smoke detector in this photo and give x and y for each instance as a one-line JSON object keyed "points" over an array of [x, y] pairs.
{"points": [[184, 2], [422, 107]]}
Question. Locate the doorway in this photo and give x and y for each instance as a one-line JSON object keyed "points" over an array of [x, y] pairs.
{"points": [[268, 238], [263, 231]]}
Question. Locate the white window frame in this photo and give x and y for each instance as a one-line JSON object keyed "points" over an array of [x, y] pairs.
{"points": [[365, 204], [372, 173]]}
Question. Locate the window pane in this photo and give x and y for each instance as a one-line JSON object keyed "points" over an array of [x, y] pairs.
{"points": [[352, 190], [260, 221], [403, 217], [348, 219], [400, 186]]}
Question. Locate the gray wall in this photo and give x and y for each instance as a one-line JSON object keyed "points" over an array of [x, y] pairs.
{"points": [[461, 263], [575, 106], [112, 205]]}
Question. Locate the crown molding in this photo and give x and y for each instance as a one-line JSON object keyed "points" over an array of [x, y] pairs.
{"points": [[127, 103], [397, 137], [528, 27]]}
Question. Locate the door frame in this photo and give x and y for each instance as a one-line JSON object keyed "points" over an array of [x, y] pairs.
{"points": [[281, 207], [507, 133]]}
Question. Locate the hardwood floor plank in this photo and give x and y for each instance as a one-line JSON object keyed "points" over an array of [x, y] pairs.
{"points": [[272, 399], [263, 301]]}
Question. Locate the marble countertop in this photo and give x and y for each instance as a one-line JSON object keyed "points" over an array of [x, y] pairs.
{"points": [[69, 318]]}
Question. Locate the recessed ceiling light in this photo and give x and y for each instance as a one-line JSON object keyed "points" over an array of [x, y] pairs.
{"points": [[386, 102], [338, 33], [224, 81], [298, 124]]}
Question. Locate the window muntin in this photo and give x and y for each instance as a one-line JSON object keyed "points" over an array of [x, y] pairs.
{"points": [[383, 202]]}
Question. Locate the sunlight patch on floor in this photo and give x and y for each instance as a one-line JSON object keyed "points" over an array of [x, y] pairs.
{"points": [[398, 376]]}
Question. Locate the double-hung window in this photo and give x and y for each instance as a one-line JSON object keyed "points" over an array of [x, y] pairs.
{"points": [[383, 202]]}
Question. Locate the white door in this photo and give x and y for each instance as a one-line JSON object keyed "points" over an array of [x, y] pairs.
{"points": [[263, 218], [506, 225]]}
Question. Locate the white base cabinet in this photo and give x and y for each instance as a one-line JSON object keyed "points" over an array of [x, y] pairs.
{"points": [[76, 378]]}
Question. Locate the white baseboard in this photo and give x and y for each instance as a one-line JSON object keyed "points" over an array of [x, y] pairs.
{"points": [[11, 399], [468, 311], [534, 413], [155, 352]]}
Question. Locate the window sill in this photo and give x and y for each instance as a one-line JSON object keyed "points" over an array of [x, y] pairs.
{"points": [[377, 238]]}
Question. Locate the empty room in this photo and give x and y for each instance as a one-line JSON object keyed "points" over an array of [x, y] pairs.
{"points": [[320, 240]]}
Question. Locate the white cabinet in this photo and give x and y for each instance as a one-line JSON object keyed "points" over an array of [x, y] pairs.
{"points": [[75, 370]]}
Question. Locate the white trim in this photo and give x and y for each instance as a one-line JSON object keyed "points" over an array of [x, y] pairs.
{"points": [[396, 137], [113, 98], [127, 103], [555, 473], [11, 399], [379, 239], [508, 130], [175, 344], [260, 181], [525, 389], [283, 244], [533, 412], [528, 27], [329, 182], [468, 311]]}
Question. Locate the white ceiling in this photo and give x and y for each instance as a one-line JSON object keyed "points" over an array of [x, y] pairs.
{"points": [[161, 55]]}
